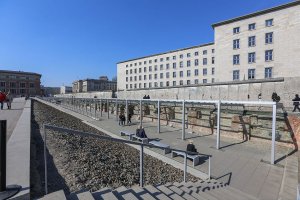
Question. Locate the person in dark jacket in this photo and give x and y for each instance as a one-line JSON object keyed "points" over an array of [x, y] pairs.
{"points": [[140, 132], [296, 103], [191, 147], [129, 118]]}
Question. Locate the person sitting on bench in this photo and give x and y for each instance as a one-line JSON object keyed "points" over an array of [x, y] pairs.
{"points": [[140, 132], [191, 147]]}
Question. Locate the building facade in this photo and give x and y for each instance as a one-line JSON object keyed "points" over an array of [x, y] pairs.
{"points": [[65, 89], [20, 83], [261, 45], [88, 85]]}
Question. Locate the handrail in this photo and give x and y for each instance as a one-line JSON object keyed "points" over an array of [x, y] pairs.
{"points": [[97, 136]]}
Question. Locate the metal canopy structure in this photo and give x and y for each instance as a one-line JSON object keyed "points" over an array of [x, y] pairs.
{"points": [[218, 104]]}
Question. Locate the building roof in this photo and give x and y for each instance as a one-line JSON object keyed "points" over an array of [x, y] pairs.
{"points": [[202, 45], [262, 12], [19, 72]]}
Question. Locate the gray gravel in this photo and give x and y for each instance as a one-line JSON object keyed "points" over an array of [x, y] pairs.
{"points": [[77, 162]]}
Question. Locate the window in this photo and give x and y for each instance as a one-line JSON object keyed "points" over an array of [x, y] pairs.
{"points": [[155, 68], [251, 27], [135, 70], [167, 74], [167, 58], [188, 73], [212, 60], [204, 61], [145, 77], [161, 75], [269, 22], [130, 65], [196, 72], [188, 55], [145, 69], [155, 76], [174, 83], [181, 74], [161, 84], [126, 65], [145, 85], [268, 72], [150, 85], [213, 51], [135, 64], [204, 52], [135, 78], [126, 79], [236, 75], [181, 82], [236, 30], [140, 85], [196, 81], [269, 55], [31, 85], [236, 59], [251, 73], [150, 76], [135, 85], [140, 77], [213, 71], [251, 57], [161, 59], [181, 56], [167, 66], [131, 71], [150, 68], [140, 70], [204, 80], [161, 67], [196, 53], [196, 62], [145, 62], [167, 84], [251, 41], [188, 82], [174, 65], [140, 63], [2, 84], [181, 64], [155, 60], [174, 57], [150, 61], [174, 74], [236, 44], [188, 63], [269, 38], [126, 86], [126, 71], [213, 80], [204, 71]]}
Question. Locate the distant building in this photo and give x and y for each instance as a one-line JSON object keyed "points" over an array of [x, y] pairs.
{"points": [[88, 85], [50, 91], [65, 89], [20, 83]]}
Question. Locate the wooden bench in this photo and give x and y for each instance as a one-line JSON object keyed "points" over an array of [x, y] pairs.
{"points": [[195, 158], [159, 144], [129, 134], [143, 140]]}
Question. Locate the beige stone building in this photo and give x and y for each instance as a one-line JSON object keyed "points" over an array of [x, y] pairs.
{"points": [[88, 85], [260, 46]]}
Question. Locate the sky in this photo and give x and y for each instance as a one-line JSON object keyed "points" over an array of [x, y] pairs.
{"points": [[67, 40]]}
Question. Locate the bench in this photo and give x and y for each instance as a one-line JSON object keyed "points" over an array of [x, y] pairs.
{"points": [[195, 158], [143, 140], [159, 144], [129, 134]]}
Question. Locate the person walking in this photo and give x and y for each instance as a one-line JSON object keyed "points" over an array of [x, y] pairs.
{"points": [[129, 118], [296, 102], [8, 100], [2, 99]]}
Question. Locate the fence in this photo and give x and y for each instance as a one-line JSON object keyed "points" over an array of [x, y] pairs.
{"points": [[100, 137]]}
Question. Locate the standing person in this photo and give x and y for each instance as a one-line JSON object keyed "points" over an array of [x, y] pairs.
{"points": [[296, 103], [129, 118], [2, 99], [191, 147], [8, 100], [121, 119]]}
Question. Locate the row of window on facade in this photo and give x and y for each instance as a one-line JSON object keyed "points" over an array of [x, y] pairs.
{"points": [[14, 85], [181, 56], [167, 84], [18, 77], [174, 75], [252, 40], [17, 91], [251, 73], [174, 65], [252, 57], [252, 26]]}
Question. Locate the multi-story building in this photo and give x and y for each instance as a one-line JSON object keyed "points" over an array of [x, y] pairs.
{"points": [[88, 85], [189, 66], [65, 89], [20, 83], [261, 45]]}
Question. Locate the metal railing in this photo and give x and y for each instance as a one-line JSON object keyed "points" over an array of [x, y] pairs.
{"points": [[80, 105], [101, 137]]}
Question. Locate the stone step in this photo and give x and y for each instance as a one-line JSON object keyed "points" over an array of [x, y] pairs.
{"points": [[169, 192], [192, 193], [180, 192], [142, 193], [85, 196], [124, 193], [55, 195], [156, 193]]}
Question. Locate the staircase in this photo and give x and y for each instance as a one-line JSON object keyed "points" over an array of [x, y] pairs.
{"points": [[203, 190]]}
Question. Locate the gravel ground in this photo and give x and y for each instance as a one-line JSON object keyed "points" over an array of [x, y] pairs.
{"points": [[76, 162]]}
